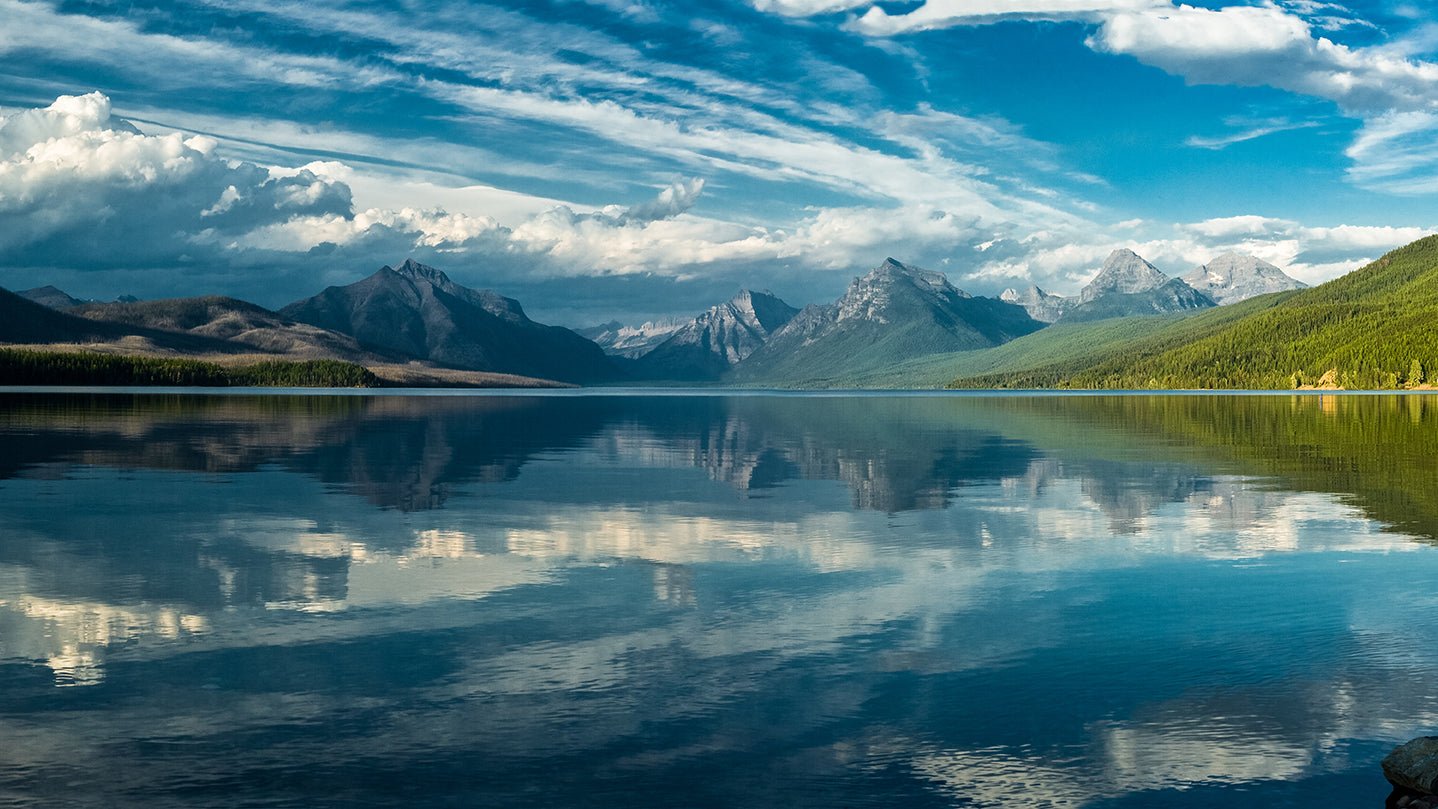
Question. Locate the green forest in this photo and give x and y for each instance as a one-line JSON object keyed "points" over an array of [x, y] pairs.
{"points": [[31, 367], [1375, 328]]}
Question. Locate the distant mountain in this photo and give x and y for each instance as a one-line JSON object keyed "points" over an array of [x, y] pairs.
{"points": [[229, 319], [1234, 277], [1371, 328], [893, 313], [50, 296], [1128, 285], [24, 322], [1171, 296], [419, 312], [717, 340], [1124, 272], [619, 340], [56, 298], [1042, 306]]}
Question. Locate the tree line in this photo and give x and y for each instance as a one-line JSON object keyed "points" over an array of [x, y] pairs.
{"points": [[33, 367]]}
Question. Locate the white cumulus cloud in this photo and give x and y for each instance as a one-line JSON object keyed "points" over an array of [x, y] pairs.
{"points": [[79, 183], [1268, 46]]}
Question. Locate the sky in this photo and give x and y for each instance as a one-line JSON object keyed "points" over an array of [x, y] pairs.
{"points": [[635, 159]]}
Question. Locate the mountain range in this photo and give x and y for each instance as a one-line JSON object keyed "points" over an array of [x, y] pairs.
{"points": [[897, 325], [1128, 285]]}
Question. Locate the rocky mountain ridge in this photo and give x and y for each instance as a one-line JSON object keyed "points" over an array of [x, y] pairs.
{"points": [[1124, 272], [1134, 286], [630, 342], [417, 311], [717, 340], [1041, 306], [1233, 277], [889, 314]]}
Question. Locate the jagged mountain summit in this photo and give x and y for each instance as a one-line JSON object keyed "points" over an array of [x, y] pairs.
{"points": [[893, 313], [1124, 272], [417, 311], [1042, 306], [619, 340], [717, 340], [1234, 277], [1128, 285]]}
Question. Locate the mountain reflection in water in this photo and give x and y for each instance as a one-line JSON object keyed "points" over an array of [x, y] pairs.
{"points": [[713, 600]]}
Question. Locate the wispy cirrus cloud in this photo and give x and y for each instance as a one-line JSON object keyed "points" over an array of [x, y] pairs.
{"points": [[1397, 153], [1281, 45], [935, 14], [807, 8], [38, 30], [1247, 129]]}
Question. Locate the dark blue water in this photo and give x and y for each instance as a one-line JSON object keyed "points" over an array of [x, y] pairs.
{"points": [[696, 601]]}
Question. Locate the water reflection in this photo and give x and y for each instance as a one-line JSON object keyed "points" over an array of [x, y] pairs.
{"points": [[740, 601]]}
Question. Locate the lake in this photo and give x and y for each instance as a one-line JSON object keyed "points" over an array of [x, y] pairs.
{"points": [[673, 600]]}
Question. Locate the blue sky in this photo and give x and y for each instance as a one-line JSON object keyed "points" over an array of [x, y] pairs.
{"points": [[607, 158]]}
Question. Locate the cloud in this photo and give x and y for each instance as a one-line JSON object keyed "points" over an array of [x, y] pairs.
{"points": [[1326, 16], [508, 71], [934, 14], [38, 30], [78, 183], [1267, 46], [512, 80], [679, 197], [807, 8], [84, 191], [1248, 45], [80, 188], [1396, 153], [1251, 130]]}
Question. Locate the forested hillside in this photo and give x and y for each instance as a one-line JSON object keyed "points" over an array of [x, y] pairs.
{"points": [[1376, 327]]}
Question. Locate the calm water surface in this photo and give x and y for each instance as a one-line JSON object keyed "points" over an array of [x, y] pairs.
{"points": [[694, 601]]}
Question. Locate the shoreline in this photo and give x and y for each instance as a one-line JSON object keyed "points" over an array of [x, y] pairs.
{"points": [[710, 391]]}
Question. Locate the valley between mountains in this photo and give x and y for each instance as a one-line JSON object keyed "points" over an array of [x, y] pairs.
{"points": [[1234, 322]]}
